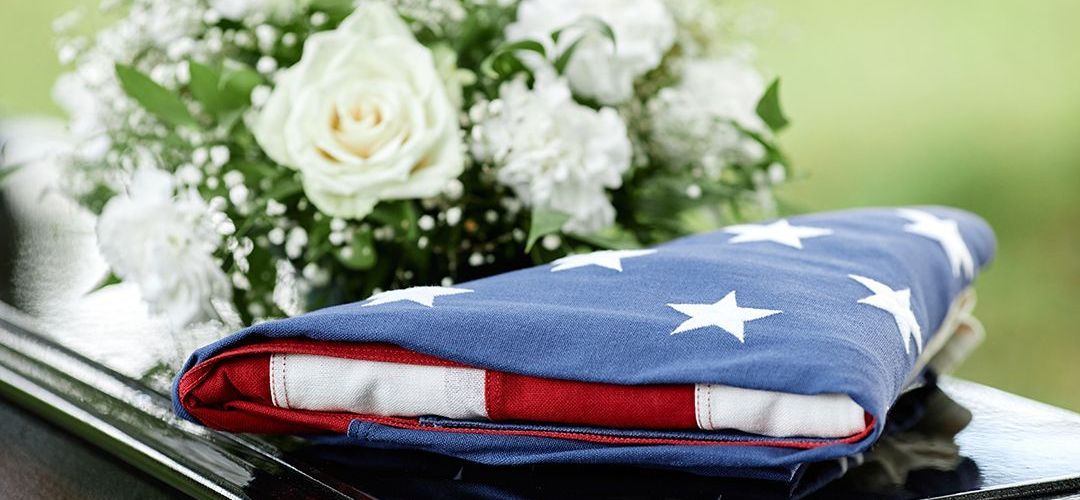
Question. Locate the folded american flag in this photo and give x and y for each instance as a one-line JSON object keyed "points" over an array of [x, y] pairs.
{"points": [[744, 352]]}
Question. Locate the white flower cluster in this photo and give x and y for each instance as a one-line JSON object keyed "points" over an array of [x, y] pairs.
{"points": [[91, 94], [555, 153], [600, 68], [164, 242], [696, 122], [280, 155]]}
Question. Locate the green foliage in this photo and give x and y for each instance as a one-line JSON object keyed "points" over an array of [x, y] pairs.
{"points": [[544, 222], [7, 170], [768, 108], [589, 26], [399, 215], [504, 63], [222, 90], [611, 238], [154, 98], [359, 254], [109, 280]]}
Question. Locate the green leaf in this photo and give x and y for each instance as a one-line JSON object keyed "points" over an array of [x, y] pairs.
{"points": [[318, 243], [399, 215], [237, 82], [588, 25], [504, 62], [610, 238], [223, 91], [204, 86], [359, 254], [109, 280], [255, 172], [285, 188], [544, 222], [7, 170], [564, 59], [768, 108], [337, 9], [153, 97]]}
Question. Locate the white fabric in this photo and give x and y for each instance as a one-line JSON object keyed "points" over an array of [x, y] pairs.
{"points": [[776, 414], [322, 383]]}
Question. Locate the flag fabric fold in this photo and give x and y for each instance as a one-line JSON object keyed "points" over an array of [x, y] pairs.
{"points": [[746, 352]]}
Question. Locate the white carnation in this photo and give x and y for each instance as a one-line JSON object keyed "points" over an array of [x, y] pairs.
{"points": [[693, 122], [555, 153], [644, 31], [164, 244]]}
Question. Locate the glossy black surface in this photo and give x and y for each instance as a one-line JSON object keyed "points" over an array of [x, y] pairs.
{"points": [[42, 460]]}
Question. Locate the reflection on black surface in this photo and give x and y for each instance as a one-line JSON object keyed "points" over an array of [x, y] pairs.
{"points": [[918, 458], [7, 248]]}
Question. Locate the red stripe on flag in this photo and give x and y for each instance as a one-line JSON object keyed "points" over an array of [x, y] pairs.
{"points": [[519, 397]]}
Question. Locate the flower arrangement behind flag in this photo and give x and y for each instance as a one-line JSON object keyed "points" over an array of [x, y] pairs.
{"points": [[252, 159]]}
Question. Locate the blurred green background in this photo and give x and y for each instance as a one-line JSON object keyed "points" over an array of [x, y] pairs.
{"points": [[972, 103]]}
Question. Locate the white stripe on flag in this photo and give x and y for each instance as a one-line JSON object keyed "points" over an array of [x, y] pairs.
{"points": [[776, 414], [322, 383]]}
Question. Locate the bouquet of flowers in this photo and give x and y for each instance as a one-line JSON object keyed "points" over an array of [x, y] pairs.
{"points": [[251, 159]]}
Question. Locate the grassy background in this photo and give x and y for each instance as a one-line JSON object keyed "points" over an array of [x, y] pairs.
{"points": [[972, 103]]}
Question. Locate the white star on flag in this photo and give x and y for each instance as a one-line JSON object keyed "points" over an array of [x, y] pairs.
{"points": [[947, 233], [897, 303], [423, 295], [610, 259], [724, 314], [778, 232]]}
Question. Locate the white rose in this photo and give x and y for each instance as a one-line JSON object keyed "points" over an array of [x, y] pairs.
{"points": [[555, 153], [363, 116], [644, 31], [164, 244]]}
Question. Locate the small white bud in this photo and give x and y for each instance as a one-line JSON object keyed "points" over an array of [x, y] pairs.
{"points": [[233, 178], [238, 194], [777, 173], [426, 222], [453, 215], [454, 189], [266, 65], [219, 155], [274, 208], [211, 16], [276, 236], [199, 157], [259, 95], [693, 191]]}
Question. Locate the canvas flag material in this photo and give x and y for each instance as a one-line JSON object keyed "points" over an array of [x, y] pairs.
{"points": [[748, 351]]}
